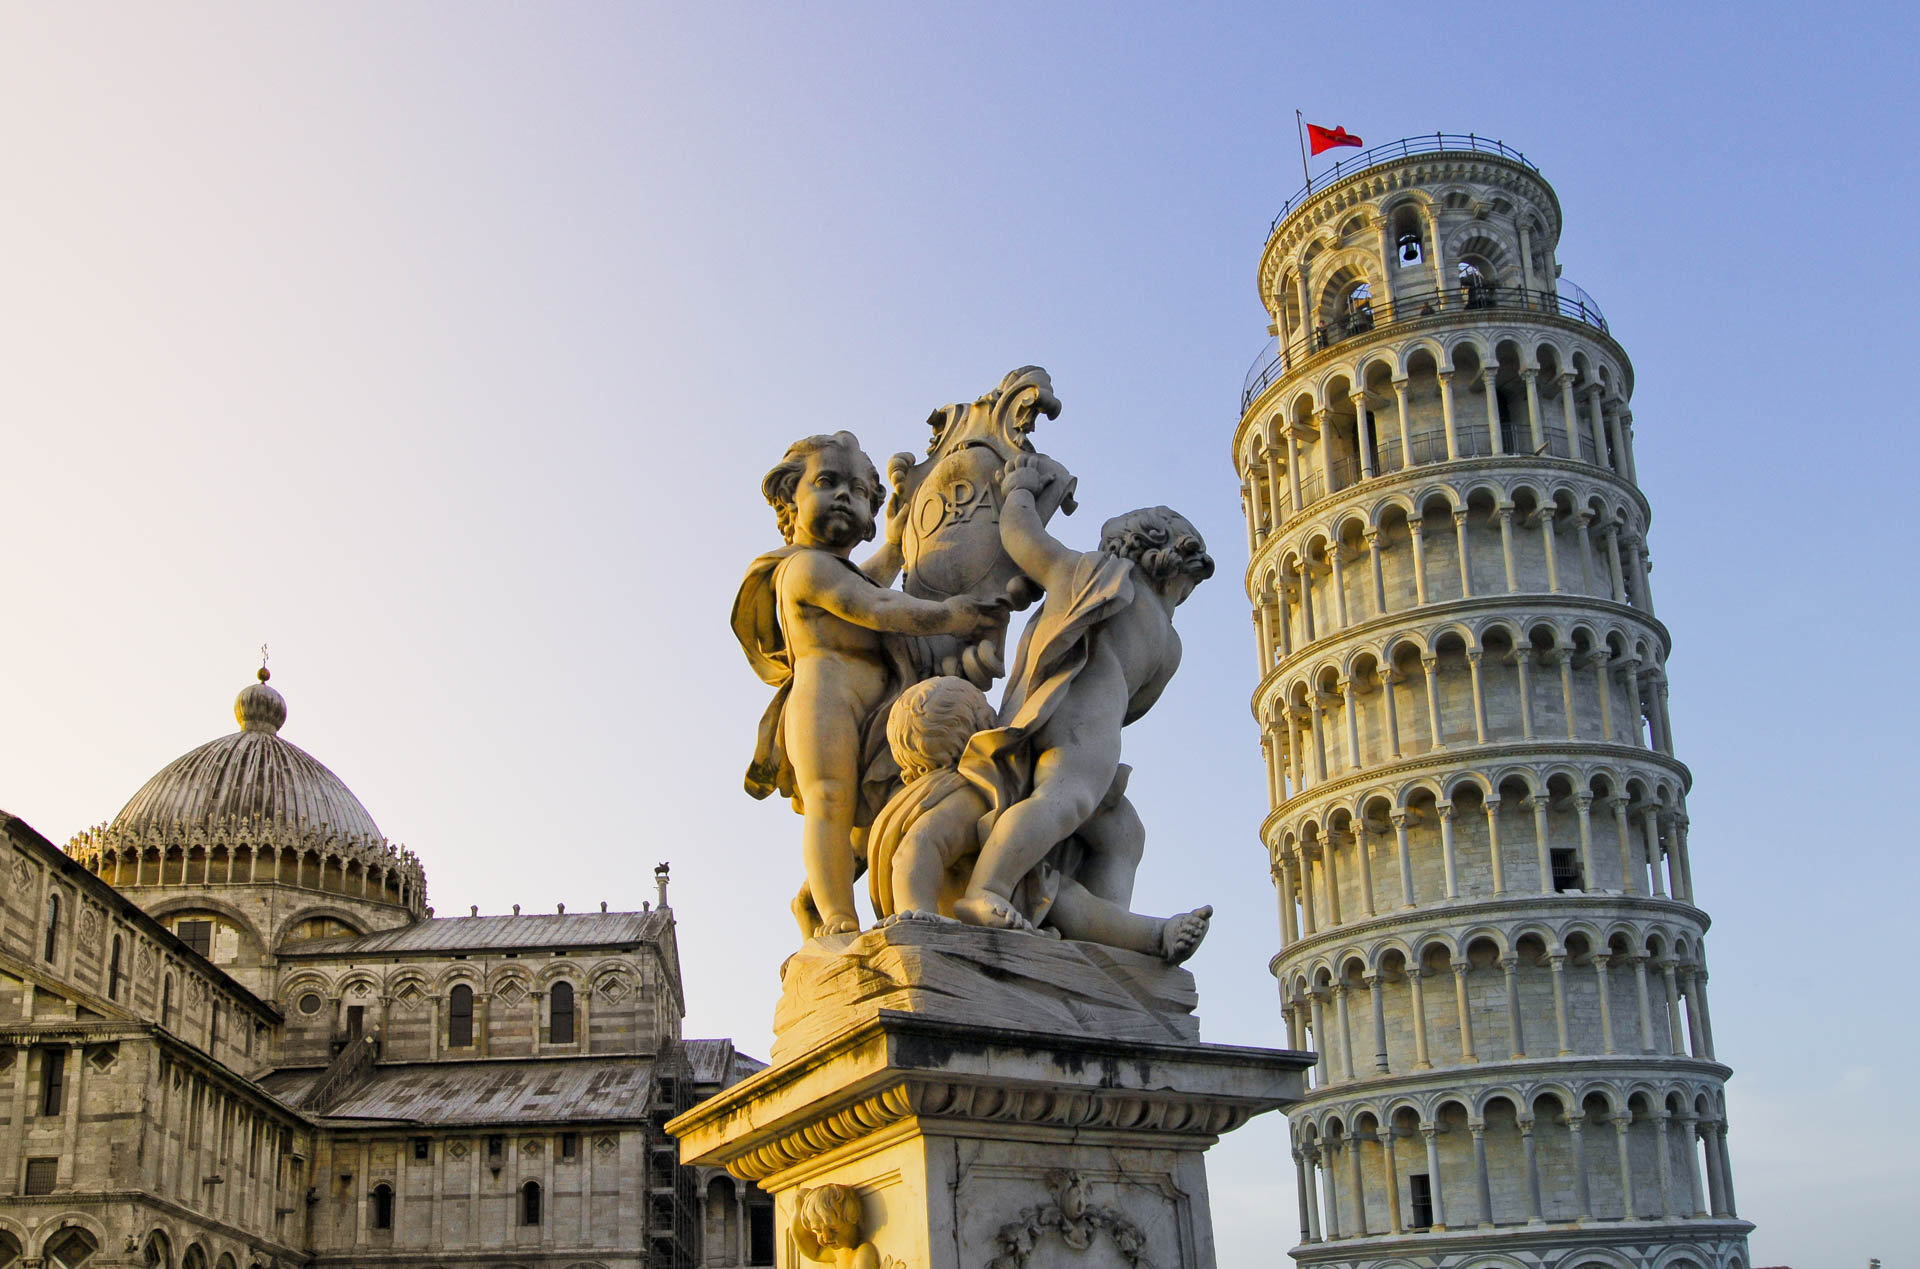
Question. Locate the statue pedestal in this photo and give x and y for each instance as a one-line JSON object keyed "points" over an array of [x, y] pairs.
{"points": [[997, 1101]]}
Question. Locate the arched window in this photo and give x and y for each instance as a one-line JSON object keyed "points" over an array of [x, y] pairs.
{"points": [[460, 1017], [530, 1203], [158, 1253], [166, 1001], [560, 1014], [383, 1206], [53, 926], [113, 971]]}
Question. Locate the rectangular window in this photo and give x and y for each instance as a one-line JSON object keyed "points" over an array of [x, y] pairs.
{"points": [[53, 1080], [760, 1233], [422, 1148], [41, 1174], [1420, 1189], [569, 1145], [197, 935], [356, 1021], [494, 1146], [1566, 870]]}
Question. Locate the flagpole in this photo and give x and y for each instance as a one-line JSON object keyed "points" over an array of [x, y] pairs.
{"points": [[1299, 126]]}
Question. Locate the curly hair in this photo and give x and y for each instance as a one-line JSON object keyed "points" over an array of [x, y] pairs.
{"points": [[931, 722], [780, 483], [1160, 541], [831, 1213]]}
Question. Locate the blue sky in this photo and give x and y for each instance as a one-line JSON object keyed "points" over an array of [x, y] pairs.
{"points": [[443, 348]]}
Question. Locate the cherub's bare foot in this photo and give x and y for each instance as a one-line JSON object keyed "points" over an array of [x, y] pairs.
{"points": [[1180, 936], [805, 913], [837, 925], [989, 909], [924, 915]]}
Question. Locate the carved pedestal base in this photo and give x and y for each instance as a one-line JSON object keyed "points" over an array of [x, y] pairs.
{"points": [[965, 1144]]}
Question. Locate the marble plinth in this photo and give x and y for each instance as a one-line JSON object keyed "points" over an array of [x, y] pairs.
{"points": [[1036, 1103]]}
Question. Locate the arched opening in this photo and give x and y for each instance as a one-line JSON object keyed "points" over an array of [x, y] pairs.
{"points": [[460, 1017], [1477, 288], [157, 1253], [52, 941], [113, 969], [9, 1250], [560, 1013], [195, 1257], [530, 1203], [721, 1227], [166, 1001], [382, 1206]]}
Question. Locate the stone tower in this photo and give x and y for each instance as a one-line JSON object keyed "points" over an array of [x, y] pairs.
{"points": [[1478, 831]]}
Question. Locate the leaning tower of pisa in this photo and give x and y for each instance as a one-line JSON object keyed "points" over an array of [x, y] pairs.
{"points": [[1478, 833]]}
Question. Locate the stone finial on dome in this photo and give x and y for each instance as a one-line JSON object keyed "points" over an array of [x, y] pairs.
{"points": [[259, 707]]}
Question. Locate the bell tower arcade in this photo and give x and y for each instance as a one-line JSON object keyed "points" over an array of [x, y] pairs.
{"points": [[1479, 833]]}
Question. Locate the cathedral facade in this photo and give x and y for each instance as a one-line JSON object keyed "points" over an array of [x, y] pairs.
{"points": [[233, 1035]]}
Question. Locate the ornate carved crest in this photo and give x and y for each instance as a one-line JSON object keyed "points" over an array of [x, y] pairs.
{"points": [[1074, 1221], [90, 924], [613, 989], [457, 1149], [511, 993], [22, 873], [408, 995], [196, 990], [605, 1145], [951, 540]]}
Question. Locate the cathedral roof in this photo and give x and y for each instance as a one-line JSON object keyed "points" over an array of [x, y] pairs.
{"points": [[251, 779], [484, 933], [545, 1090]]}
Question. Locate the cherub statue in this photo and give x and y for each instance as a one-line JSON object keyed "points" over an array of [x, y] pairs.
{"points": [[826, 1227], [822, 632], [1094, 658], [927, 836]]}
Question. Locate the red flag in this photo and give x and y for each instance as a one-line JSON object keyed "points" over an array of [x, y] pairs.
{"points": [[1320, 138]]}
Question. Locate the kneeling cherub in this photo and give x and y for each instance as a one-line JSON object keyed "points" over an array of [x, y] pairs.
{"points": [[926, 838]]}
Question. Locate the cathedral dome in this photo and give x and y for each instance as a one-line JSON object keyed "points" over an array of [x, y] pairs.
{"points": [[251, 777]]}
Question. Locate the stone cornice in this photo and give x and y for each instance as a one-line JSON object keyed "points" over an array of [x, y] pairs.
{"points": [[1721, 1233], [1476, 757], [1504, 909], [900, 1069], [1472, 1078], [1427, 474], [1440, 612]]}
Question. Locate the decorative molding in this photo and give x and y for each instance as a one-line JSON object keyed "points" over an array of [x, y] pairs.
{"points": [[933, 1097], [1075, 1221]]}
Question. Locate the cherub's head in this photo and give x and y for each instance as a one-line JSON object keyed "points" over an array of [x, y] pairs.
{"points": [[825, 492], [931, 722], [1166, 549], [831, 1213]]}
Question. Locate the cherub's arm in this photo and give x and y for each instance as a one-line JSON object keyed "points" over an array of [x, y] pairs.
{"points": [[887, 559], [818, 579], [1038, 553]]}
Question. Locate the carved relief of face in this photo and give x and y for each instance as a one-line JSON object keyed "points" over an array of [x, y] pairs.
{"points": [[833, 502]]}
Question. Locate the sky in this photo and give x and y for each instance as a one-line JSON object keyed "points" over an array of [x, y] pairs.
{"points": [[442, 348]]}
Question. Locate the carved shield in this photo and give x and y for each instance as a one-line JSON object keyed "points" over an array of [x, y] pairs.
{"points": [[952, 539]]}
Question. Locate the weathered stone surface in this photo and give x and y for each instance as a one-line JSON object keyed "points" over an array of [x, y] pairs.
{"points": [[967, 973]]}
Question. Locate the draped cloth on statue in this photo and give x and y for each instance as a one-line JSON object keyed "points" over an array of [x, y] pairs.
{"points": [[756, 624], [998, 762]]}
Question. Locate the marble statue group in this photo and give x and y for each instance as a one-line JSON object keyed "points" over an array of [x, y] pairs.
{"points": [[880, 731]]}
